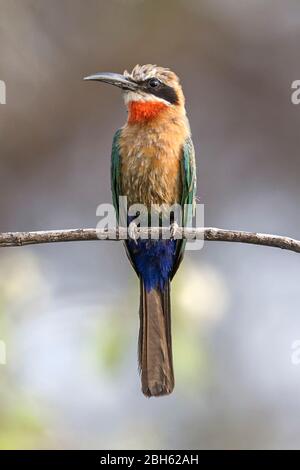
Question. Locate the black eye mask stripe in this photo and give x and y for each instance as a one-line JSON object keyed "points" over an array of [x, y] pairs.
{"points": [[166, 93], [163, 91]]}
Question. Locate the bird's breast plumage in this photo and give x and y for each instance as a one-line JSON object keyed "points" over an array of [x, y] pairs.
{"points": [[151, 162]]}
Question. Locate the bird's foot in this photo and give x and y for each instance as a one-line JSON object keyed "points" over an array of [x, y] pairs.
{"points": [[173, 229], [133, 232]]}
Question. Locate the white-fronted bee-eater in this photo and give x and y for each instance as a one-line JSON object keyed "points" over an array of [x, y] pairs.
{"points": [[153, 163]]}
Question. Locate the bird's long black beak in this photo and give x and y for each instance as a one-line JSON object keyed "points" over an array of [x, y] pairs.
{"points": [[114, 79]]}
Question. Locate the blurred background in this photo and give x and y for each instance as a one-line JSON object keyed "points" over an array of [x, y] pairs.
{"points": [[69, 312]]}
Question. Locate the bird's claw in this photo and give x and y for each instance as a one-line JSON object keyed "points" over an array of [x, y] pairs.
{"points": [[133, 232], [173, 229]]}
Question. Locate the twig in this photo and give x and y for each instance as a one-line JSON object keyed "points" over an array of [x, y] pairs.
{"points": [[209, 233]]}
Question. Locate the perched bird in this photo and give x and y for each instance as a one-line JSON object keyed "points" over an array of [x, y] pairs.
{"points": [[153, 162]]}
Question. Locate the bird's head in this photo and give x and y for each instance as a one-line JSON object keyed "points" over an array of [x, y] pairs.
{"points": [[148, 91]]}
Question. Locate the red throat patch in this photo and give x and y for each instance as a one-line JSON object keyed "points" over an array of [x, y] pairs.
{"points": [[140, 111]]}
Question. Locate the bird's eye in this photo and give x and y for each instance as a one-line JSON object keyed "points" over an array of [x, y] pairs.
{"points": [[153, 83]]}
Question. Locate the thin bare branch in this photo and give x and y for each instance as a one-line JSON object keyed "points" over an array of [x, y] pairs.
{"points": [[208, 233]]}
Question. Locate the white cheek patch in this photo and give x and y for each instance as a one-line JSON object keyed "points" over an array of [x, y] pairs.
{"points": [[141, 96]]}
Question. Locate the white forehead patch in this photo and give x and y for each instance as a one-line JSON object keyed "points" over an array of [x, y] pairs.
{"points": [[144, 72]]}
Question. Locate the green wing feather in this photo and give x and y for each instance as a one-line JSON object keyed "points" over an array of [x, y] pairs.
{"points": [[116, 182], [188, 199], [188, 174], [115, 170]]}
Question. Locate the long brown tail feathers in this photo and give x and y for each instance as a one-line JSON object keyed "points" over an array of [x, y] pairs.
{"points": [[155, 343]]}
